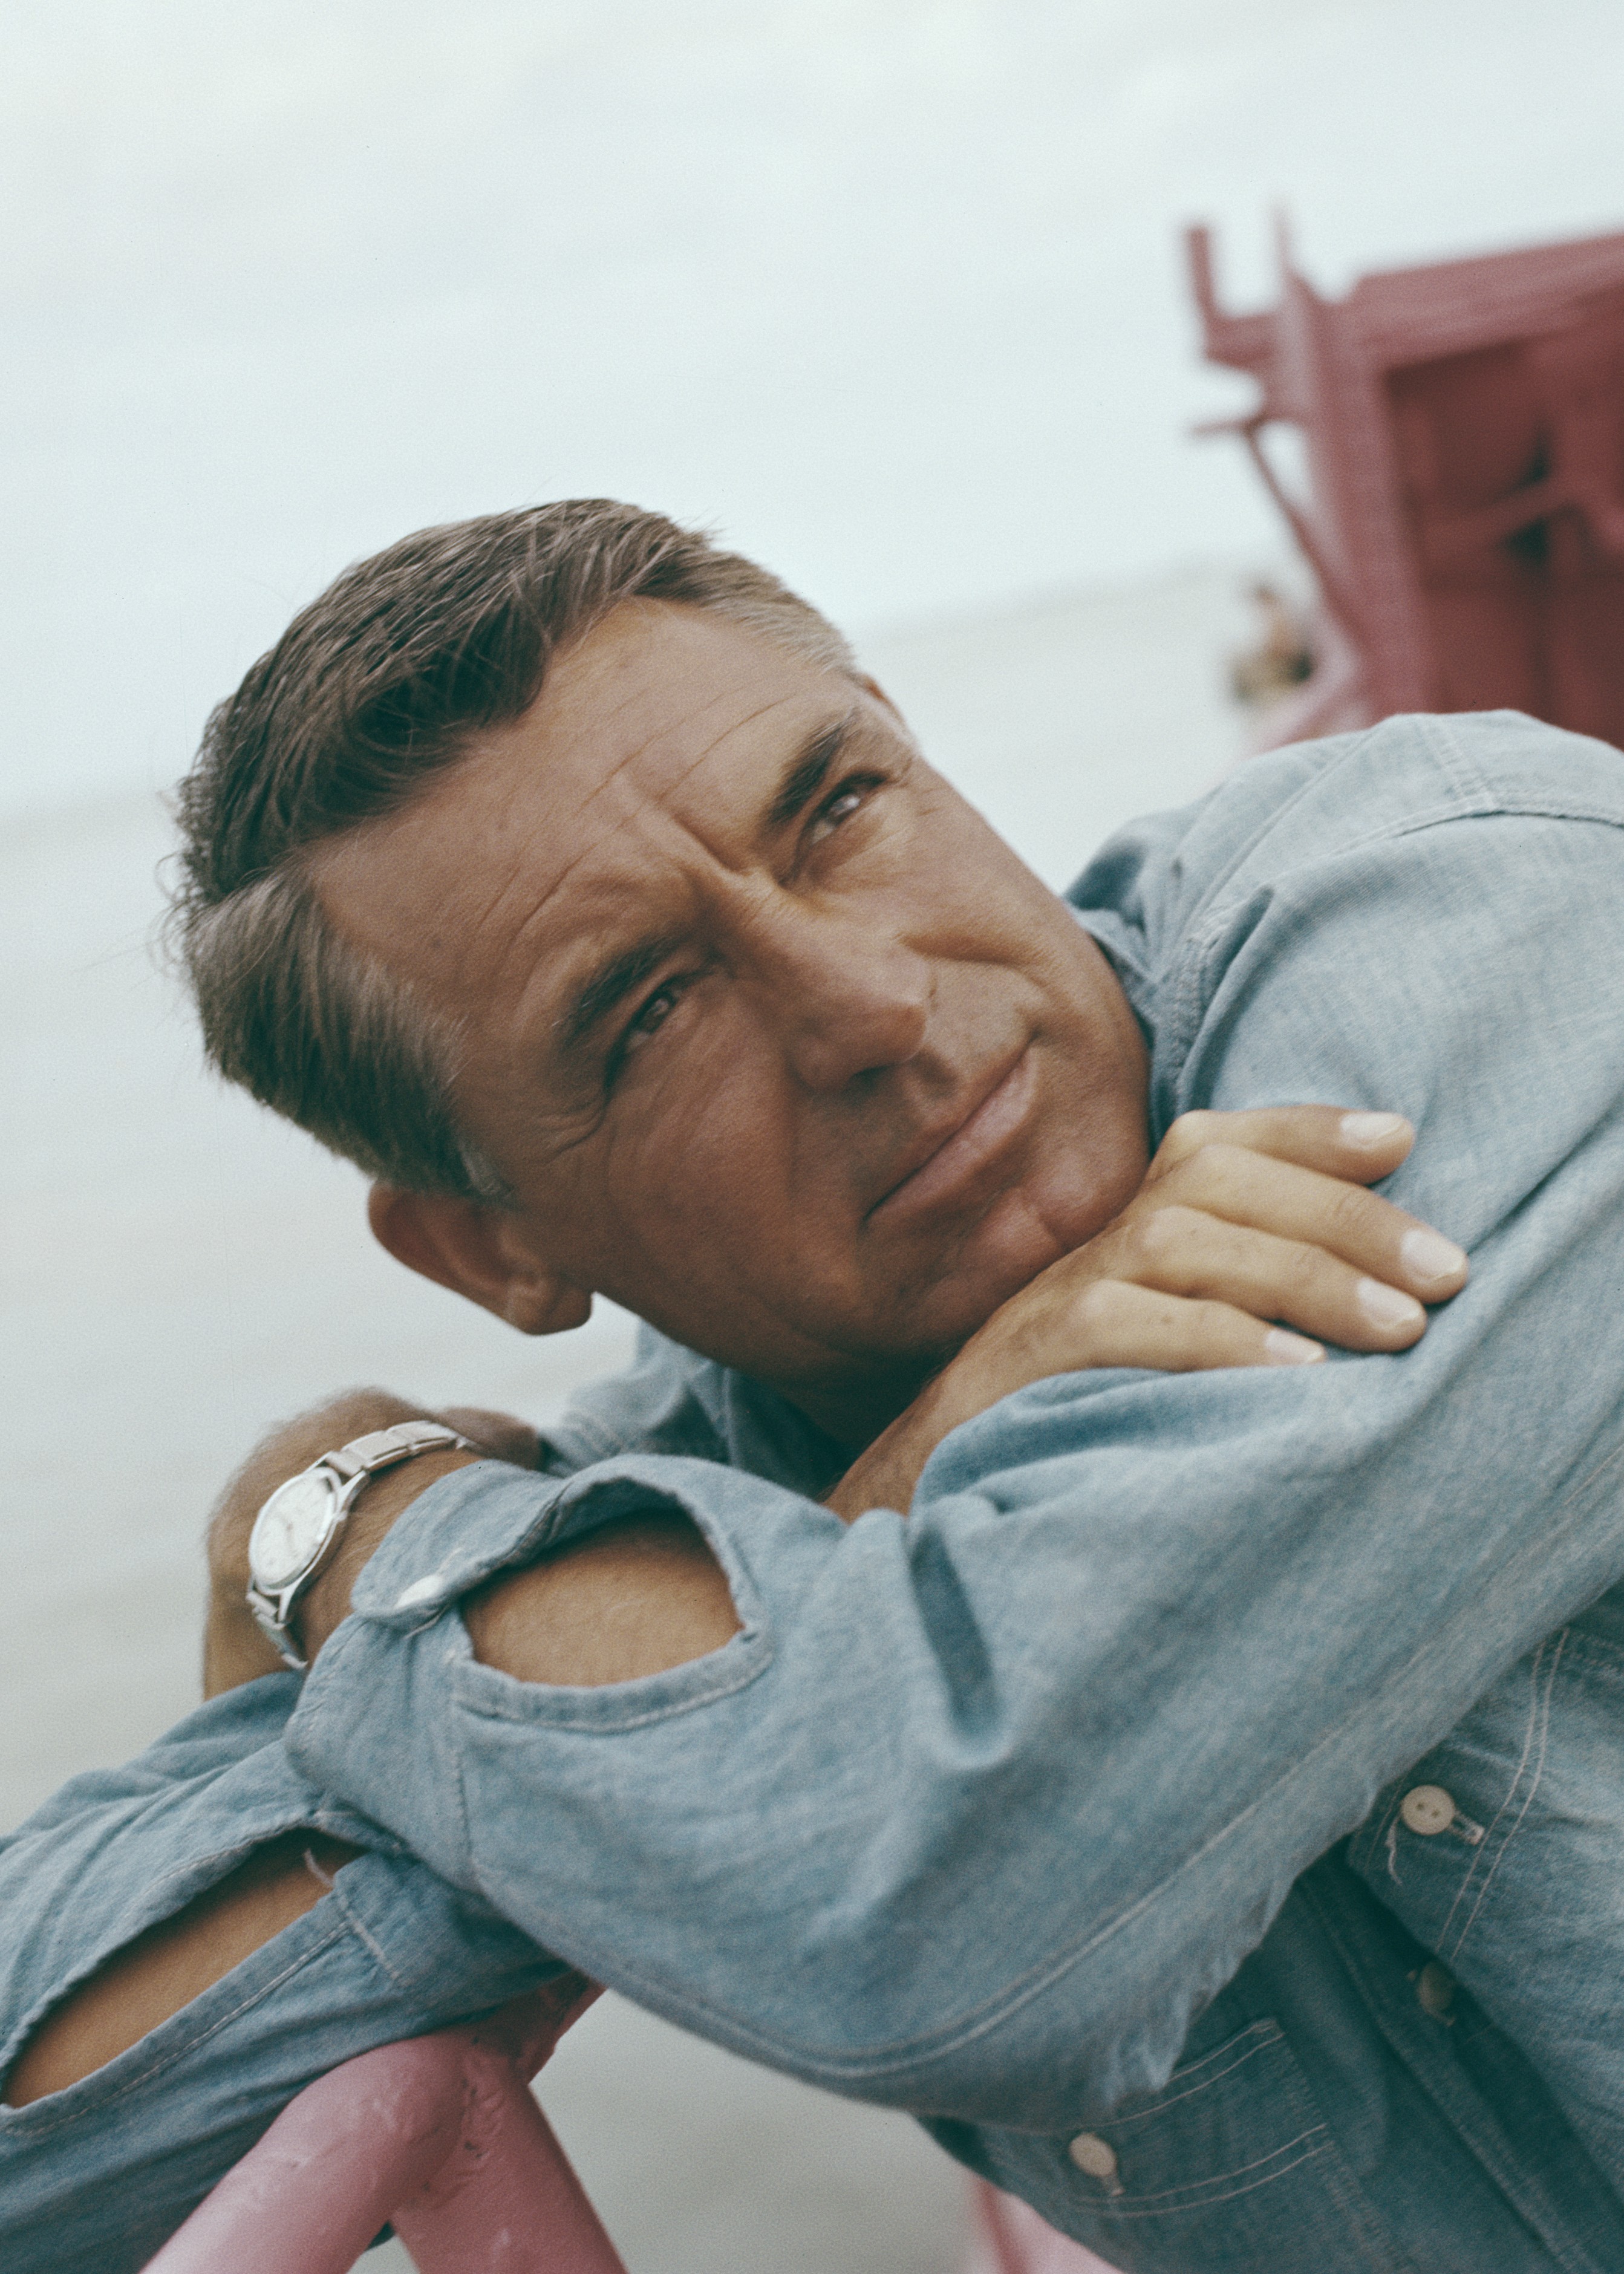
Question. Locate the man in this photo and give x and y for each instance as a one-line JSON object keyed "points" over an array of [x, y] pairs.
{"points": [[559, 871]]}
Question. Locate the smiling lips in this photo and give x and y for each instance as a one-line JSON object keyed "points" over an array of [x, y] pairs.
{"points": [[983, 1134]]}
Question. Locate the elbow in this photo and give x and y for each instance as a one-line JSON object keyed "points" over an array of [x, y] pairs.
{"points": [[910, 2014]]}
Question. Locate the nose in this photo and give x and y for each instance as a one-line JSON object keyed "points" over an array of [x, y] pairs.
{"points": [[849, 998]]}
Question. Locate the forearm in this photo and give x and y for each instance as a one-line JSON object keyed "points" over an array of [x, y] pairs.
{"points": [[234, 1649], [1143, 1649], [167, 1966], [1250, 1242], [220, 1989]]}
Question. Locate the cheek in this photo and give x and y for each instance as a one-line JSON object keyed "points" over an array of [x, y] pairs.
{"points": [[699, 1168]]}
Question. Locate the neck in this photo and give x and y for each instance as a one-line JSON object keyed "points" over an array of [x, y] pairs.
{"points": [[855, 1410]]}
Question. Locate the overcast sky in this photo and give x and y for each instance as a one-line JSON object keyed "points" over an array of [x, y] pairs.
{"points": [[887, 290]]}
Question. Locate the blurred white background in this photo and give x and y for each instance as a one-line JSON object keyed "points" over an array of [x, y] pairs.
{"points": [[887, 288], [888, 291]]}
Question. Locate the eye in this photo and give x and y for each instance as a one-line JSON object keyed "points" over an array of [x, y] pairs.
{"points": [[644, 1023], [851, 796], [652, 1014]]}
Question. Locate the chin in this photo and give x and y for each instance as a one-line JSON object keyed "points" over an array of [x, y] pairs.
{"points": [[936, 1324], [1014, 1243]]}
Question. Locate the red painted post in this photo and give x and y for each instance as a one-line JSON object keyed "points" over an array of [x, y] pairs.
{"points": [[439, 2136], [1008, 2238]]}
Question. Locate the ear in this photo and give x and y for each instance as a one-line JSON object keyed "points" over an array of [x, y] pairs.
{"points": [[487, 1253]]}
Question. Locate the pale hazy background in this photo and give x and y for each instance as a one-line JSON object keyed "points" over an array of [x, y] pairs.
{"points": [[889, 292]]}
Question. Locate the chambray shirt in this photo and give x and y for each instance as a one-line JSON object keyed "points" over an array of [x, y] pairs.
{"points": [[1027, 1811]]}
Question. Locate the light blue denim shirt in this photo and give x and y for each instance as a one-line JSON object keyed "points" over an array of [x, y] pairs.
{"points": [[1023, 1811]]}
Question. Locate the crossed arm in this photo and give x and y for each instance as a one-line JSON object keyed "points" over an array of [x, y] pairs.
{"points": [[1243, 1220]]}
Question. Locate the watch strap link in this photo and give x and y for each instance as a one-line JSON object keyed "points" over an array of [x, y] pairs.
{"points": [[349, 1468], [381, 1448]]}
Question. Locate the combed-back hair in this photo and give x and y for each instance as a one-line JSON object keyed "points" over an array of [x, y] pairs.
{"points": [[372, 690]]}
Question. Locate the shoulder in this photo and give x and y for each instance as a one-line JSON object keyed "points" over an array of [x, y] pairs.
{"points": [[1296, 809], [1389, 917]]}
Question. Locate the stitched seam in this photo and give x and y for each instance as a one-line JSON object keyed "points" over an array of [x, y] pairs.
{"points": [[1594, 1651], [1437, 2073], [1184, 988], [364, 1933], [1479, 1862], [562, 1935], [189, 1873], [1544, 1731], [1190, 989], [168, 2059], [598, 1433], [459, 1753], [1321, 774], [1451, 758], [1157, 2107], [1220, 2179], [1114, 2207]]}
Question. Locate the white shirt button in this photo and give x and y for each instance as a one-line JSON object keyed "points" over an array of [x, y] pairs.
{"points": [[1427, 1808], [421, 1591], [1095, 2155]]}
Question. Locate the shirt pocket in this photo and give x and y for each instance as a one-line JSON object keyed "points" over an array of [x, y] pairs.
{"points": [[1230, 2166]]}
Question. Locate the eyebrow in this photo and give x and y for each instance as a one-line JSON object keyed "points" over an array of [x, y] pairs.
{"points": [[612, 980], [806, 772], [798, 785]]}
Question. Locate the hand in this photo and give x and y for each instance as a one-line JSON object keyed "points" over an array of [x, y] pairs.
{"points": [[234, 1649], [1243, 1220]]}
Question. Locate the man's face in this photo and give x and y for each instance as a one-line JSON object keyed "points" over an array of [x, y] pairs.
{"points": [[776, 1041]]}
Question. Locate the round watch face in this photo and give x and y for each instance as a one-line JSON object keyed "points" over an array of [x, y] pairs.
{"points": [[290, 1528]]}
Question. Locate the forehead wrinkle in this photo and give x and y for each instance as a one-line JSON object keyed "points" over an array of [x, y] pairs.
{"points": [[619, 822], [667, 789], [669, 725], [540, 976]]}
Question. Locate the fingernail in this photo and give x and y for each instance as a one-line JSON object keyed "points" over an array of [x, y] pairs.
{"points": [[1388, 1307], [1371, 1128], [1283, 1349], [1429, 1255]]}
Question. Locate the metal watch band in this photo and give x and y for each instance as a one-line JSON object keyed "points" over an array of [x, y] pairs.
{"points": [[382, 1449], [351, 1467]]}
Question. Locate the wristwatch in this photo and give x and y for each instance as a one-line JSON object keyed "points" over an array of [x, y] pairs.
{"points": [[296, 1532]]}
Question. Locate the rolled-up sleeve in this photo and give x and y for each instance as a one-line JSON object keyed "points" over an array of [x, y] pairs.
{"points": [[96, 2175], [983, 1804]]}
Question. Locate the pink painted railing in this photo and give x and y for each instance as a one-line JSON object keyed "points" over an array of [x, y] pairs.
{"points": [[437, 2137], [440, 2138], [1008, 2238]]}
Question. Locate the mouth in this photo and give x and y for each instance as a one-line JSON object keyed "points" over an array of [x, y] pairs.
{"points": [[949, 1161]]}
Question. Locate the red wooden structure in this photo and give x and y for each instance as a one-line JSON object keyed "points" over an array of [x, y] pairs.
{"points": [[439, 2136], [1464, 520], [1008, 2237]]}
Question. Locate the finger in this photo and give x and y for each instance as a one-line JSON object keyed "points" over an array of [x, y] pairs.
{"points": [[1115, 1323], [1185, 1252], [1358, 1146], [1385, 1242]]}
